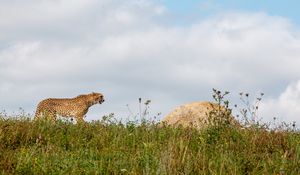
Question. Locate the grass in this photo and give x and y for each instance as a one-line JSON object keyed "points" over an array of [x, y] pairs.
{"points": [[43, 147], [112, 147]]}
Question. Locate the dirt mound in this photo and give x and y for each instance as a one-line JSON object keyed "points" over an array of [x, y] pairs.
{"points": [[196, 114]]}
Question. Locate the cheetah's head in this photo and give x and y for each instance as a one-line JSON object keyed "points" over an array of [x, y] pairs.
{"points": [[97, 98]]}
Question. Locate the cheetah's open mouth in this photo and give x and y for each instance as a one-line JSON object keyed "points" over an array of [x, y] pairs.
{"points": [[101, 101]]}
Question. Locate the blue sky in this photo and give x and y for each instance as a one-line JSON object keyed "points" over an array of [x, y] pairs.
{"points": [[288, 9]]}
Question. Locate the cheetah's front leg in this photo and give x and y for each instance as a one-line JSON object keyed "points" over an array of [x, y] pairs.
{"points": [[79, 118]]}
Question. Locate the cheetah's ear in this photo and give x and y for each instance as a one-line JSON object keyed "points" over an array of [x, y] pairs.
{"points": [[93, 93]]}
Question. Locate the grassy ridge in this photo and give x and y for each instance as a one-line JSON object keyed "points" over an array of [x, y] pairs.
{"points": [[43, 147]]}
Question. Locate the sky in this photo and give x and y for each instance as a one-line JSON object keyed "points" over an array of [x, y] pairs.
{"points": [[208, 7], [171, 52]]}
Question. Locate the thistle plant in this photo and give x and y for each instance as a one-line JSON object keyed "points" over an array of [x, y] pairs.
{"points": [[249, 112]]}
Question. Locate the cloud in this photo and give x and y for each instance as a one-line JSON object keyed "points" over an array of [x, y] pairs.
{"points": [[285, 107], [129, 49]]}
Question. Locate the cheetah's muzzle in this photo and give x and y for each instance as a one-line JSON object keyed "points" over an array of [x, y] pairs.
{"points": [[101, 101]]}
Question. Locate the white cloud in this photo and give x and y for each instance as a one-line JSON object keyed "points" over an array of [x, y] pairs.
{"points": [[126, 50], [285, 107]]}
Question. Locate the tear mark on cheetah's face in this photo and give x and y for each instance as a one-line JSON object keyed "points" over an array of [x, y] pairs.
{"points": [[68, 107]]}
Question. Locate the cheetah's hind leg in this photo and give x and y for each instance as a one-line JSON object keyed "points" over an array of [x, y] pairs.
{"points": [[46, 115]]}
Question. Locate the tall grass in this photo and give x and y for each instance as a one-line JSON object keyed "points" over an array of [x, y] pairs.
{"points": [[112, 147], [44, 147]]}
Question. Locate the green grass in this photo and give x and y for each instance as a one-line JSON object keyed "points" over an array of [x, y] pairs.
{"points": [[42, 147]]}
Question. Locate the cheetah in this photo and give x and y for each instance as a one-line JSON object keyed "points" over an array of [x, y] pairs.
{"points": [[68, 107]]}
